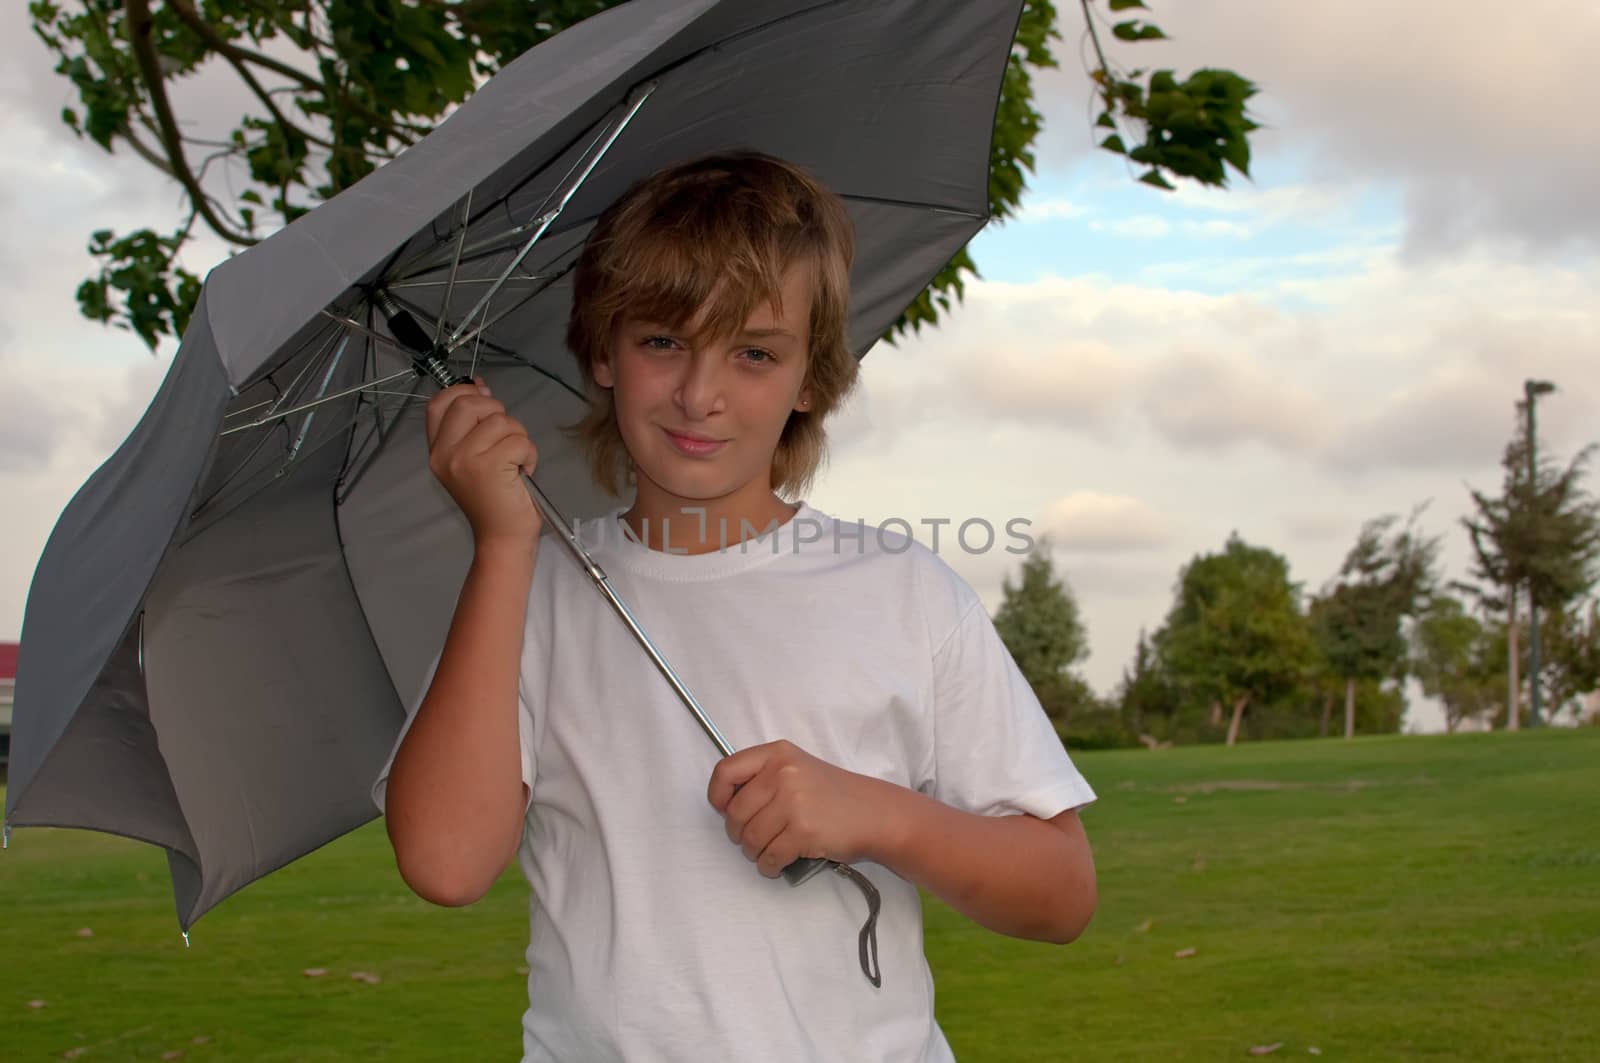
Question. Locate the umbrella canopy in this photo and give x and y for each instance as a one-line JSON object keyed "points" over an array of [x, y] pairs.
{"points": [[233, 612]]}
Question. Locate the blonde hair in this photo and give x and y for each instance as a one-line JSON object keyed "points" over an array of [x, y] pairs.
{"points": [[717, 232]]}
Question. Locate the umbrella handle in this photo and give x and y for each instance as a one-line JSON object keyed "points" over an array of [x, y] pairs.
{"points": [[804, 868]]}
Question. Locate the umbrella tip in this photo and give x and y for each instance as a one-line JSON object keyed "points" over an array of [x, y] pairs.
{"points": [[185, 934], [5, 836]]}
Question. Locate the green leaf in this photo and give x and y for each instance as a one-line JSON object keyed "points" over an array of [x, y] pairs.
{"points": [[1127, 5], [1153, 177], [1105, 120], [1236, 151], [1114, 143]]}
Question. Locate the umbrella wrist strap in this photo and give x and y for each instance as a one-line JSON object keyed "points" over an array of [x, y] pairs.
{"points": [[868, 941]]}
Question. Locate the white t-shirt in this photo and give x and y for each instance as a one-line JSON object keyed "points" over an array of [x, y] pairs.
{"points": [[652, 936]]}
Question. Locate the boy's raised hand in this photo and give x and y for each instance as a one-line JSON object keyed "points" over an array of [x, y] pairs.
{"points": [[479, 453], [780, 803]]}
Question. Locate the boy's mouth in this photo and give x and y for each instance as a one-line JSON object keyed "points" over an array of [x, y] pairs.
{"points": [[695, 446]]}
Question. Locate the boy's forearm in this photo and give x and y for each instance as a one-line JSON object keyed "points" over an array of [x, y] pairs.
{"points": [[1017, 875], [454, 805]]}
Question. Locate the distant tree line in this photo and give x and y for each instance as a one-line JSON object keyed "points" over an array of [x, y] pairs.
{"points": [[1244, 652]]}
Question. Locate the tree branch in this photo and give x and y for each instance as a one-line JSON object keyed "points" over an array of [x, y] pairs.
{"points": [[235, 54], [145, 152], [139, 29], [1088, 23], [238, 56]]}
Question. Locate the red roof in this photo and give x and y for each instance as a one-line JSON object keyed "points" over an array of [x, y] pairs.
{"points": [[8, 660]]}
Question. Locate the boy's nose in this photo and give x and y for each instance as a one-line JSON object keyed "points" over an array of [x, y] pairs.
{"points": [[699, 393]]}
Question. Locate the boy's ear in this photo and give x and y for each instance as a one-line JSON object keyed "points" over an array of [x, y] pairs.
{"points": [[601, 368]]}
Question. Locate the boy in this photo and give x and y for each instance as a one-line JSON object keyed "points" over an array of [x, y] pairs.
{"points": [[878, 718]]}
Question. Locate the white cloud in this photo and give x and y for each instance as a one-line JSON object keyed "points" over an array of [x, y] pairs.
{"points": [[1070, 384], [1209, 400], [1037, 210], [1318, 526], [1467, 106], [1139, 227], [29, 424], [1218, 228], [1090, 522]]}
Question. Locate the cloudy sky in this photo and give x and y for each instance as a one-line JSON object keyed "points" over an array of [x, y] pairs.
{"points": [[1139, 373]]}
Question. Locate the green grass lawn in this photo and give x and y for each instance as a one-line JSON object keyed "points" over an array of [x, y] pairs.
{"points": [[1393, 898]]}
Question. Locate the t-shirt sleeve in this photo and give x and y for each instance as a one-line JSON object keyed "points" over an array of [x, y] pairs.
{"points": [[995, 751], [525, 740]]}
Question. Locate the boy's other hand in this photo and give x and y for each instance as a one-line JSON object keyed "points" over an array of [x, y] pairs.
{"points": [[479, 453], [780, 803]]}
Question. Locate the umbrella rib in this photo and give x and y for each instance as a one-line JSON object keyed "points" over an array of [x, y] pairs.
{"points": [[605, 141], [273, 404], [455, 265], [531, 278], [353, 456], [913, 205], [456, 345], [501, 349], [335, 397], [284, 394], [196, 528], [483, 248], [311, 410]]}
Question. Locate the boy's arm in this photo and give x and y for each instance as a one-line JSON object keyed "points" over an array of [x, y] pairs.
{"points": [[453, 809], [455, 800], [1016, 874]]}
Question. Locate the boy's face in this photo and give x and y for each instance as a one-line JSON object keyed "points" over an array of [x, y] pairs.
{"points": [[701, 416]]}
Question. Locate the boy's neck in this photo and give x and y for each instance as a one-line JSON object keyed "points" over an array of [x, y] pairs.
{"points": [[701, 526]]}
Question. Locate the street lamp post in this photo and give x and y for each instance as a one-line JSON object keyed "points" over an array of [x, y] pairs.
{"points": [[1531, 390]]}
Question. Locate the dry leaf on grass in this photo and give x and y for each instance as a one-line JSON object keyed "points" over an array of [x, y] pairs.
{"points": [[1144, 927], [202, 1040], [73, 1053], [36, 1004], [314, 972], [365, 976], [1180, 800], [1184, 954], [86, 933], [1314, 1050], [1265, 1050], [174, 1054]]}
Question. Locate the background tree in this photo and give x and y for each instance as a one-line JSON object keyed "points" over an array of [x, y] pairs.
{"points": [[1458, 660], [1359, 619], [1570, 661], [1039, 622], [1538, 541], [339, 87], [1145, 699], [1235, 633]]}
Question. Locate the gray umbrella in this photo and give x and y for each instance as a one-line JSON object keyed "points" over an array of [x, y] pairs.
{"points": [[233, 612]]}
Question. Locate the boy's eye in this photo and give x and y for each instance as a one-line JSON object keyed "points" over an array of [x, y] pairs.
{"points": [[758, 356], [659, 343]]}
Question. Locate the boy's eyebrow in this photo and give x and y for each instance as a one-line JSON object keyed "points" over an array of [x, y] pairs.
{"points": [[752, 333]]}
